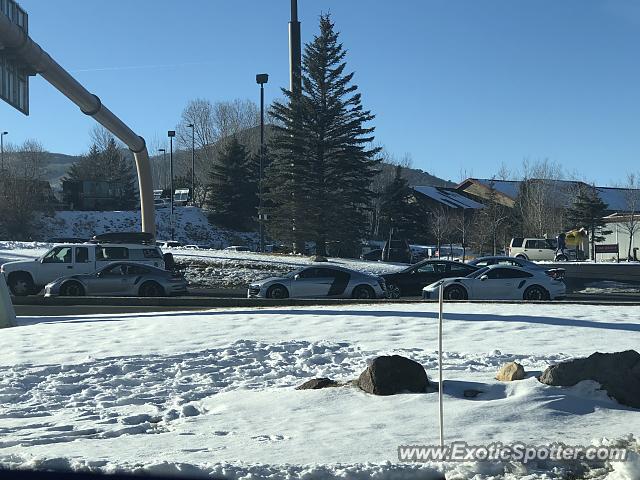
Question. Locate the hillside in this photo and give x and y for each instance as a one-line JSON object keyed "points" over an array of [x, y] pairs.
{"points": [[58, 163]]}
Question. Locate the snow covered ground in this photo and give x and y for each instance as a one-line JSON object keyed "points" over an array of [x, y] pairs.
{"points": [[202, 393]]}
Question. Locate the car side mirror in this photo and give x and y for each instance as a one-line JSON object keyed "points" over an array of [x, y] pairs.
{"points": [[484, 277]]}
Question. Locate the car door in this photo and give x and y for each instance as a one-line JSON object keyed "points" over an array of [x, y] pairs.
{"points": [[305, 283], [493, 285], [132, 278], [58, 262], [82, 262], [109, 281]]}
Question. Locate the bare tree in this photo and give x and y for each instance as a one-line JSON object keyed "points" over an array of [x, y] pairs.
{"points": [[441, 224], [631, 220]]}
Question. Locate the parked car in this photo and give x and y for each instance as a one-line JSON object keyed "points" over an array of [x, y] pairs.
{"points": [[237, 248], [375, 255], [169, 244], [517, 262], [326, 281], [498, 282], [27, 277], [396, 250], [412, 280], [120, 279], [535, 249]]}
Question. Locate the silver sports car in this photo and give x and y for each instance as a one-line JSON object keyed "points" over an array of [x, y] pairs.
{"points": [[325, 281], [120, 279]]}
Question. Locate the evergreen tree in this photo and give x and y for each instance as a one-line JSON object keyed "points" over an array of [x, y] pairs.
{"points": [[232, 201], [399, 209], [587, 211], [321, 172], [108, 165]]}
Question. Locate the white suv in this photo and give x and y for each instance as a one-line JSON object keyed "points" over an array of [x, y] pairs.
{"points": [[534, 249]]}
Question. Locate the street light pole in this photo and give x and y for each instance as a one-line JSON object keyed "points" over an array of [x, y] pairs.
{"points": [[171, 134], [193, 162], [164, 163], [261, 79], [2, 149]]}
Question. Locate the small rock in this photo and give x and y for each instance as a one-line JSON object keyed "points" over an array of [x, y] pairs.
{"points": [[190, 411], [317, 383], [389, 375], [472, 393], [510, 371]]}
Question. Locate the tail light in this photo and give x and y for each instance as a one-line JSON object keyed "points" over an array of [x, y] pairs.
{"points": [[556, 273]]}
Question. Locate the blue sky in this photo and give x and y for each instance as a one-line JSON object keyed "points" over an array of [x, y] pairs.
{"points": [[460, 85]]}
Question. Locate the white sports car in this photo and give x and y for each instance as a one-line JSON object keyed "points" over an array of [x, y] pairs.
{"points": [[498, 282]]}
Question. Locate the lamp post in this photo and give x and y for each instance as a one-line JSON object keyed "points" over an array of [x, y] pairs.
{"points": [[2, 149], [164, 162], [261, 79], [193, 162], [171, 134]]}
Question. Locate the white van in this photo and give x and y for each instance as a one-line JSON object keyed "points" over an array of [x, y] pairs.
{"points": [[27, 277]]}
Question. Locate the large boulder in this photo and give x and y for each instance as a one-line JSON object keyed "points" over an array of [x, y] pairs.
{"points": [[510, 371], [618, 373], [389, 375]]}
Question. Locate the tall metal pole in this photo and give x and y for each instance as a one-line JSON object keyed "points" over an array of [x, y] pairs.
{"points": [[164, 165], [261, 79], [295, 87], [2, 149], [171, 134], [193, 162]]}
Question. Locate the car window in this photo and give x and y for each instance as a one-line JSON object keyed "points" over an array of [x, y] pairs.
{"points": [[112, 253], [482, 263], [460, 268], [506, 261], [137, 270], [531, 244], [58, 255], [308, 273], [114, 270], [82, 255], [517, 242], [494, 274], [426, 268]]}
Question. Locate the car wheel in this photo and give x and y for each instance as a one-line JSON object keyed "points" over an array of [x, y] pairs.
{"points": [[455, 292], [561, 258], [72, 289], [393, 291], [523, 257], [151, 289], [21, 284], [363, 292], [277, 292], [536, 292]]}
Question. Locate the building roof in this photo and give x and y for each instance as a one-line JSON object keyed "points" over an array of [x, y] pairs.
{"points": [[448, 197], [615, 198]]}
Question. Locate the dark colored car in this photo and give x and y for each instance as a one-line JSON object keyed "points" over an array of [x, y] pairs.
{"points": [[396, 250], [372, 255], [411, 281]]}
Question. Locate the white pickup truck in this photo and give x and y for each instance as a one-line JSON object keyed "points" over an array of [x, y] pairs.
{"points": [[28, 277]]}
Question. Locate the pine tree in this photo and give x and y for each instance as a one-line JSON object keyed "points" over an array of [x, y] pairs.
{"points": [[587, 211], [232, 201], [320, 177], [399, 210]]}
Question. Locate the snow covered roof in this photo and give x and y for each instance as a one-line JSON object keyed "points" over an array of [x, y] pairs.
{"points": [[615, 198], [448, 197]]}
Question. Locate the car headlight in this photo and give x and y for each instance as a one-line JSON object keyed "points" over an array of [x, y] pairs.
{"points": [[436, 284]]}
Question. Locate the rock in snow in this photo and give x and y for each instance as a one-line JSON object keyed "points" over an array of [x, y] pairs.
{"points": [[510, 371], [389, 375], [618, 373], [317, 383]]}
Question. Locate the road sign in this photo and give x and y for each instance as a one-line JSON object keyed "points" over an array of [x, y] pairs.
{"points": [[14, 75], [607, 248]]}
